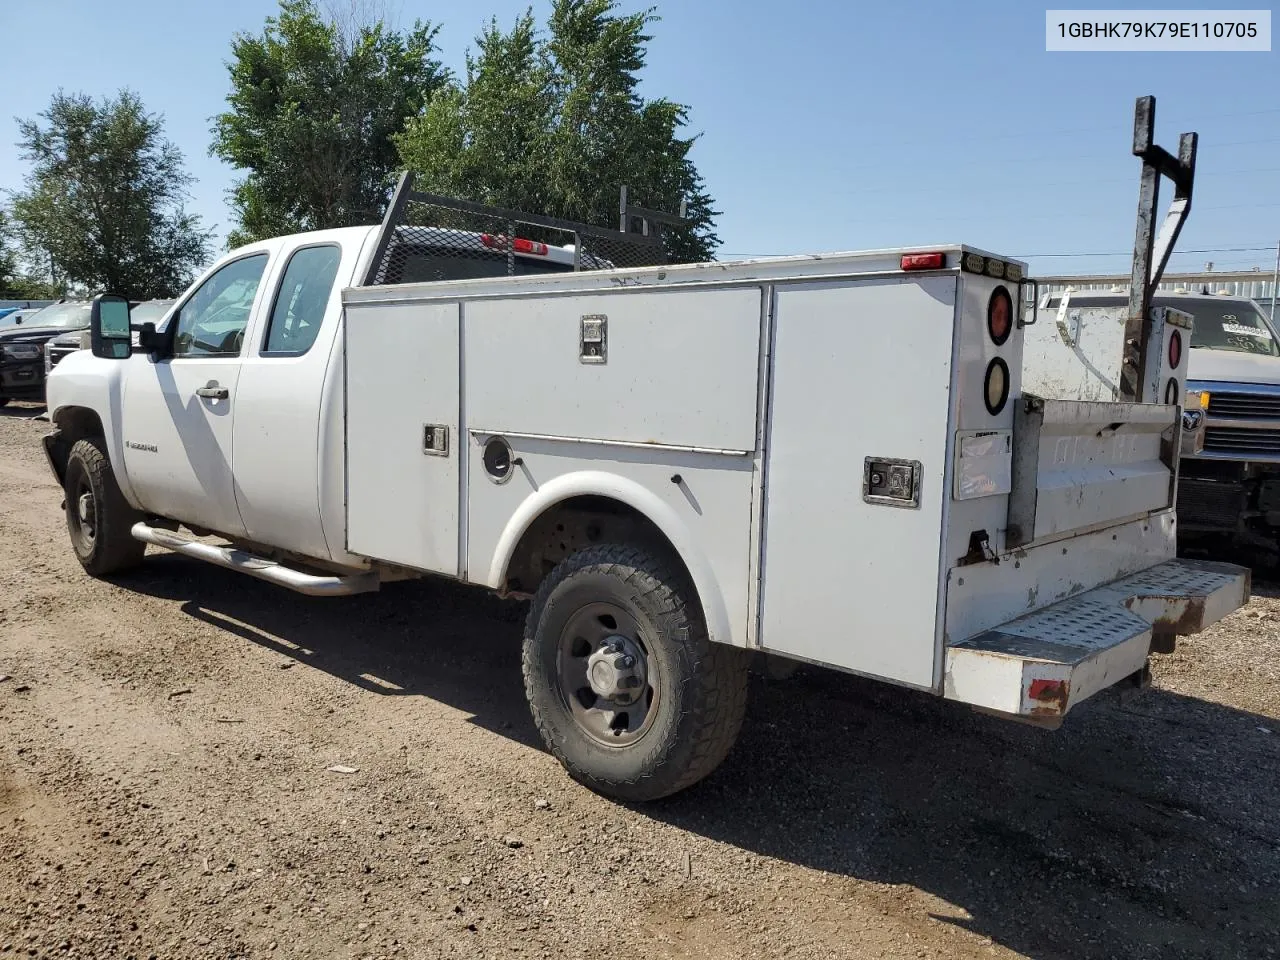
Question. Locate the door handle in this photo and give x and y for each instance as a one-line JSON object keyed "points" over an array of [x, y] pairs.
{"points": [[213, 392]]}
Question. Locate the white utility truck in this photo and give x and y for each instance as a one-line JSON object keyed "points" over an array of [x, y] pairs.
{"points": [[828, 458]]}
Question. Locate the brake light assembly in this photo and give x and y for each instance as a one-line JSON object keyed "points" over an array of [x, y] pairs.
{"points": [[519, 245]]}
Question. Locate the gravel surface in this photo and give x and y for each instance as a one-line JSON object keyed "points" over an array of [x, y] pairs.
{"points": [[197, 764]]}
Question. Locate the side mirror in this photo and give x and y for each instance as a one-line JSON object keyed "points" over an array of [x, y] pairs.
{"points": [[109, 333]]}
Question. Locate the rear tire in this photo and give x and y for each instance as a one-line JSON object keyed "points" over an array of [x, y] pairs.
{"points": [[98, 516], [671, 716]]}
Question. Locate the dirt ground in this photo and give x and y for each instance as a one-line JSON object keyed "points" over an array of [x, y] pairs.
{"points": [[166, 739]]}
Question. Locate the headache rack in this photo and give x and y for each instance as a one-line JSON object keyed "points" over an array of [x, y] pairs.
{"points": [[426, 236]]}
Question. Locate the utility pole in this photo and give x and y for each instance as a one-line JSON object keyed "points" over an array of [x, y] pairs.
{"points": [[1275, 281]]}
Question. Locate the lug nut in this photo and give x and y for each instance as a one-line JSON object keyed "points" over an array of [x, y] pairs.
{"points": [[624, 663]]}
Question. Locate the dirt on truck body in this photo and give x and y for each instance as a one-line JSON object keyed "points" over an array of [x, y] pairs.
{"points": [[222, 772]]}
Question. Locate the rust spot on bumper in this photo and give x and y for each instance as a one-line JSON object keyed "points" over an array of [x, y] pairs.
{"points": [[1050, 697], [1189, 621]]}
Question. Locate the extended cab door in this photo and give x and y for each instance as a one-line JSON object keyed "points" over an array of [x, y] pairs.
{"points": [[287, 371], [178, 409]]}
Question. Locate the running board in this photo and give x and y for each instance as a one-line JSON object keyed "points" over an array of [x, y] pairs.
{"points": [[235, 559]]}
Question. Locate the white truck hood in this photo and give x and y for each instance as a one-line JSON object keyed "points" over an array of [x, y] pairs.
{"points": [[1232, 366]]}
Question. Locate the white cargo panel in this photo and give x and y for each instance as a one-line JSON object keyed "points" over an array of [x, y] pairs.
{"points": [[711, 504], [402, 433], [861, 371], [674, 367]]}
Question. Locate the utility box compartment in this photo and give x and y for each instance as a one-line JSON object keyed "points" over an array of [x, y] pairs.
{"points": [[672, 367], [856, 474]]}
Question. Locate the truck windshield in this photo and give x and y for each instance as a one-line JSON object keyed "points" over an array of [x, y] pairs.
{"points": [[1227, 325], [62, 316]]}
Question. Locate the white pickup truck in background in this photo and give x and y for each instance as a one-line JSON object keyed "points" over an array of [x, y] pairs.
{"points": [[827, 458], [1228, 485]]}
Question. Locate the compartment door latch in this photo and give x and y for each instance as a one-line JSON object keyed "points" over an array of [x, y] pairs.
{"points": [[435, 439], [593, 344]]}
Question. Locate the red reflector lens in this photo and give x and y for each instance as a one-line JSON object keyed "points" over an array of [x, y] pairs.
{"points": [[1053, 691], [924, 261], [1175, 350], [1000, 316]]}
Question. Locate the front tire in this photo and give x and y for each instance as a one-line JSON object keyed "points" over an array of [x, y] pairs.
{"points": [[625, 687], [99, 519]]}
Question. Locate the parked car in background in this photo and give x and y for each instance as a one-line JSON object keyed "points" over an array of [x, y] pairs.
{"points": [[5, 311], [154, 311], [22, 347], [19, 315]]}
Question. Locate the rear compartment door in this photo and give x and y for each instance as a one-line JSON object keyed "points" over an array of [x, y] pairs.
{"points": [[1079, 465], [849, 575]]}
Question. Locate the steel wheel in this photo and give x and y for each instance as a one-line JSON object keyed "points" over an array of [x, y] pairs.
{"points": [[83, 515], [625, 686], [98, 516], [607, 678]]}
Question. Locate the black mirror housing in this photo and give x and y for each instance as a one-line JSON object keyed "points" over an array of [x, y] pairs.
{"points": [[148, 340], [110, 336]]}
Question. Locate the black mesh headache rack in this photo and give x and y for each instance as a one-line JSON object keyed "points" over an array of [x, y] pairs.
{"points": [[426, 237]]}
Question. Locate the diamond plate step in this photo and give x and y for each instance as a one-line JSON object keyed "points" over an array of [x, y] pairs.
{"points": [[1044, 663]]}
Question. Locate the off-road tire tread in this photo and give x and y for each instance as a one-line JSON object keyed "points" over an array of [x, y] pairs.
{"points": [[719, 671], [117, 549]]}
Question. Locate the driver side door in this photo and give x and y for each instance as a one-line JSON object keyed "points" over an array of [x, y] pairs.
{"points": [[178, 408]]}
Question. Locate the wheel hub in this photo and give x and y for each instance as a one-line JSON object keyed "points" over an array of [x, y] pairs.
{"points": [[84, 507], [616, 671]]}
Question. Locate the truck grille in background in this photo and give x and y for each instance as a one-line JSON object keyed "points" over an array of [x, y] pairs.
{"points": [[1209, 502], [1241, 406], [57, 353], [1242, 441]]}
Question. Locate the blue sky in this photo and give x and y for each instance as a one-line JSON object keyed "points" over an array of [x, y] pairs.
{"points": [[825, 124]]}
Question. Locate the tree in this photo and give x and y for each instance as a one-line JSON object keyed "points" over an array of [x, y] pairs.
{"points": [[15, 283], [553, 124], [104, 199], [314, 105]]}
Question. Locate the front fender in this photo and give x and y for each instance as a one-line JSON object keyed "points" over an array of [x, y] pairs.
{"points": [[638, 497], [82, 381]]}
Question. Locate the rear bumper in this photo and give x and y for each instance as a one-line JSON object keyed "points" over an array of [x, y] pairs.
{"points": [[1041, 665]]}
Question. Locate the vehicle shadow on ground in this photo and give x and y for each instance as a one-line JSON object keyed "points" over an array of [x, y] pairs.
{"points": [[1146, 828], [22, 410]]}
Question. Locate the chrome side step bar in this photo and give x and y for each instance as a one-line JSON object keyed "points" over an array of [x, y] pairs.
{"points": [[233, 558]]}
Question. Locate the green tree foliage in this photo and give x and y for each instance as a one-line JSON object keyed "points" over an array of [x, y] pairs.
{"points": [[103, 200], [553, 124], [313, 107], [8, 258]]}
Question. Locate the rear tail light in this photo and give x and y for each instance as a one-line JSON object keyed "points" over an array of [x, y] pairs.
{"points": [[996, 386], [1175, 350], [924, 261], [1000, 316]]}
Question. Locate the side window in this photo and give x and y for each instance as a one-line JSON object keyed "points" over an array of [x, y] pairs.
{"points": [[211, 323], [301, 300]]}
